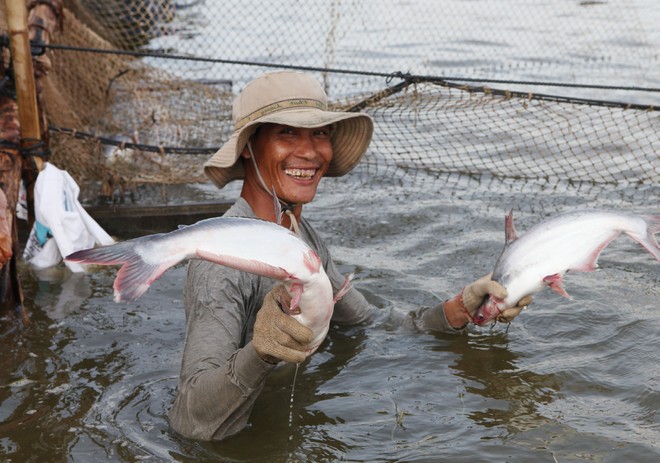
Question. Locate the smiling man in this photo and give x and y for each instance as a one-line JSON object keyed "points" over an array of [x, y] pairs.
{"points": [[285, 141], [290, 160]]}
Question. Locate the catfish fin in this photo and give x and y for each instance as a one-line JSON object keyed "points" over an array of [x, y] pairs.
{"points": [[246, 265], [296, 290], [649, 242], [590, 263], [135, 275], [345, 287], [555, 282], [312, 261], [510, 233]]}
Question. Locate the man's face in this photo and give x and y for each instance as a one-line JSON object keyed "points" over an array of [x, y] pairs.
{"points": [[291, 159]]}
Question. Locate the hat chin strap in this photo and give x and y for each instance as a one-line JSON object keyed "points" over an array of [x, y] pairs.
{"points": [[285, 207]]}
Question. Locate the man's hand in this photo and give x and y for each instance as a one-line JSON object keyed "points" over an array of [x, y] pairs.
{"points": [[508, 315], [475, 293], [278, 336], [461, 309]]}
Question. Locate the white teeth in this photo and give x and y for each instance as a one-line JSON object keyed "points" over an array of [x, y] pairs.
{"points": [[300, 173]]}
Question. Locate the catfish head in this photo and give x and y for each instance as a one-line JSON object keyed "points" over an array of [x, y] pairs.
{"points": [[489, 311]]}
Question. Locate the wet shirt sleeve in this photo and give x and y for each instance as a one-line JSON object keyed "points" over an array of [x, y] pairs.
{"points": [[221, 373], [353, 308], [431, 319]]}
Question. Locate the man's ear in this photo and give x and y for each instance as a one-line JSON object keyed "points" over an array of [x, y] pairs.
{"points": [[245, 154]]}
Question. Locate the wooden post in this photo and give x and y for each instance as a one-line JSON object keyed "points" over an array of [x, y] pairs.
{"points": [[23, 131], [26, 94]]}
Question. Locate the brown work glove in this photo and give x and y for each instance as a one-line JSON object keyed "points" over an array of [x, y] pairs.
{"points": [[509, 314], [278, 336], [474, 294]]}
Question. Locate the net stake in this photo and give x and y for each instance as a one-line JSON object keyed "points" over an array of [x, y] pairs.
{"points": [[28, 112]]}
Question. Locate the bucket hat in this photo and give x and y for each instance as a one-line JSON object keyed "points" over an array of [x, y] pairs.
{"points": [[298, 100]]}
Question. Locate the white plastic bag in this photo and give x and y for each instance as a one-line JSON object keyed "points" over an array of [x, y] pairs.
{"points": [[62, 225]]}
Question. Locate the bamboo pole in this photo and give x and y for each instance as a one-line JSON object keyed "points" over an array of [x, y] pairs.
{"points": [[26, 95], [21, 121], [27, 110]]}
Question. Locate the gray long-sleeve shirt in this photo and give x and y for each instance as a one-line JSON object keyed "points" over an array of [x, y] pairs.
{"points": [[221, 373]]}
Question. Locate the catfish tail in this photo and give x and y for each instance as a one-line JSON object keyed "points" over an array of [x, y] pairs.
{"points": [[653, 227], [135, 275]]}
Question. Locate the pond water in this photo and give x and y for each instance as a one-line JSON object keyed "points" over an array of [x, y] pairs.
{"points": [[569, 380]]}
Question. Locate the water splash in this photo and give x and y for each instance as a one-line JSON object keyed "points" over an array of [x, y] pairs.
{"points": [[293, 389]]}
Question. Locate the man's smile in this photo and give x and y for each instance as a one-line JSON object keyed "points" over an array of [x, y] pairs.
{"points": [[301, 174]]}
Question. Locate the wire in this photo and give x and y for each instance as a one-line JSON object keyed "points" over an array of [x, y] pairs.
{"points": [[389, 76]]}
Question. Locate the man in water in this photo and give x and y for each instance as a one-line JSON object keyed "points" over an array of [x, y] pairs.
{"points": [[285, 140]]}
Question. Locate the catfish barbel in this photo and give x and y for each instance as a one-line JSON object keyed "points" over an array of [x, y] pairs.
{"points": [[569, 241], [251, 245]]}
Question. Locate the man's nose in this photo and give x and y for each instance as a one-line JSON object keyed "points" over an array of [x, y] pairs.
{"points": [[307, 146]]}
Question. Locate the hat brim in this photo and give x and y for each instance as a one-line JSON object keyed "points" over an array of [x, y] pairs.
{"points": [[350, 139]]}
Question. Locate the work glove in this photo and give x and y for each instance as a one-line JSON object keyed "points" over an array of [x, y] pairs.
{"points": [[474, 294], [278, 336], [509, 314]]}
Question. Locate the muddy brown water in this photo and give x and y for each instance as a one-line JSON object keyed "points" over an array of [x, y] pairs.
{"points": [[569, 380]]}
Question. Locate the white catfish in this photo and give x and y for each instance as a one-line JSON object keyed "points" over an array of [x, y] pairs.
{"points": [[570, 241], [246, 244]]}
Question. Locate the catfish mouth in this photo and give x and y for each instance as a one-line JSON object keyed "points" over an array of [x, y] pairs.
{"points": [[481, 320], [488, 313]]}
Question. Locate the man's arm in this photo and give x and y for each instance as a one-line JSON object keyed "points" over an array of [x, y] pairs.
{"points": [[353, 308], [220, 380], [456, 313]]}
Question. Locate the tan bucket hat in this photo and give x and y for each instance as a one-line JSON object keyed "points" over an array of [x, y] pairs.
{"points": [[295, 99]]}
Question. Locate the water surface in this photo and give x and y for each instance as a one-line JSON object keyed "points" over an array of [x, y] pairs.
{"points": [[569, 380]]}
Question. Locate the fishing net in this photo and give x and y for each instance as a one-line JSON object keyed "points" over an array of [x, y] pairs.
{"points": [[141, 91]]}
